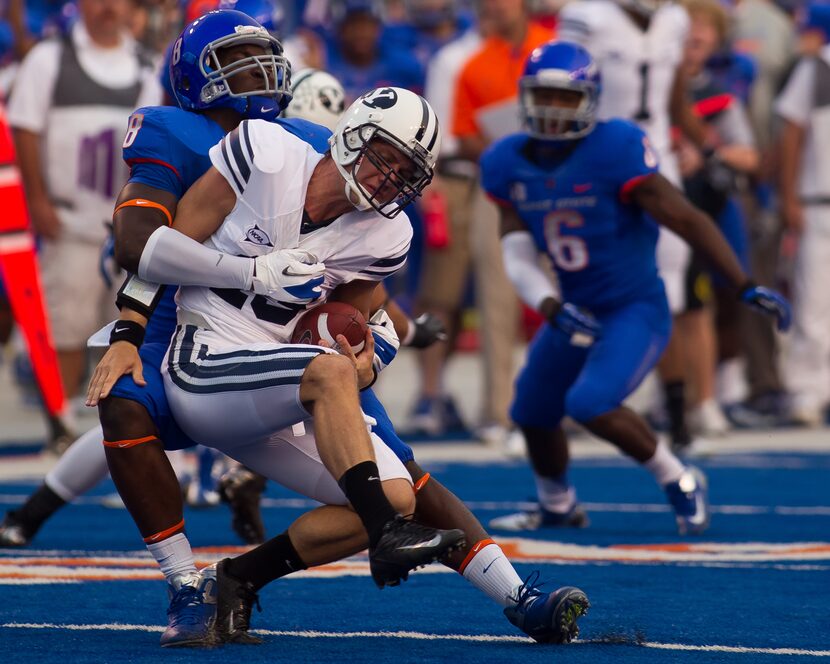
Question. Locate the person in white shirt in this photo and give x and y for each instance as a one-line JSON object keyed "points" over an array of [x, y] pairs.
{"points": [[804, 181], [69, 105]]}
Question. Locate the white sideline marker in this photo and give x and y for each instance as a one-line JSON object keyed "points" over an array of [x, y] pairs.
{"points": [[422, 636]]}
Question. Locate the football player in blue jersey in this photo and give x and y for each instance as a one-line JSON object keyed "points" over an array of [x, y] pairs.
{"points": [[585, 193], [130, 412], [224, 68]]}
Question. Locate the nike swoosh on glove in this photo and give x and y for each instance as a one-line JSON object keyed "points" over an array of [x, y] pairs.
{"points": [[577, 323], [288, 276], [768, 301], [386, 340]]}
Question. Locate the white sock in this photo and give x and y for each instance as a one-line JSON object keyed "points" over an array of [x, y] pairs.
{"points": [[491, 572], [555, 495], [664, 465], [175, 558]]}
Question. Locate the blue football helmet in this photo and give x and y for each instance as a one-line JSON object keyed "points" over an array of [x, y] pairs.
{"points": [[559, 66], [268, 13], [200, 81]]}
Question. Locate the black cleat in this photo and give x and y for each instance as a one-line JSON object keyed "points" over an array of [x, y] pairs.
{"points": [[14, 534], [235, 600], [242, 490], [406, 545]]}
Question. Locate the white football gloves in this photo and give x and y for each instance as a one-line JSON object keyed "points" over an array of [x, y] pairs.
{"points": [[288, 276], [386, 340]]}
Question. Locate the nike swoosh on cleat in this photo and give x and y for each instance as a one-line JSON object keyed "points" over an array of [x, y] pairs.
{"points": [[435, 541]]}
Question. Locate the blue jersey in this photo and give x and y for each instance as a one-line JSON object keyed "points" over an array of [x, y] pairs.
{"points": [[576, 208], [167, 148]]}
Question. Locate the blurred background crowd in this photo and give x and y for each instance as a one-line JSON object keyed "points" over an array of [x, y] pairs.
{"points": [[757, 72]]}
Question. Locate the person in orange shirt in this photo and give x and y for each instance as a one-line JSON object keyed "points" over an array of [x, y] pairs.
{"points": [[486, 108]]}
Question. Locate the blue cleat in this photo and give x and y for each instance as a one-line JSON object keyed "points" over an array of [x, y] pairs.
{"points": [[548, 617], [689, 498], [192, 612], [542, 518]]}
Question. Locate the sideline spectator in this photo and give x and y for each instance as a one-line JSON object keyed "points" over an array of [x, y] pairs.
{"points": [[69, 108], [711, 182], [486, 108], [804, 106], [447, 251]]}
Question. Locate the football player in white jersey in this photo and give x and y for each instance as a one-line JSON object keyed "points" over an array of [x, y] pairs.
{"points": [[638, 45], [230, 374]]}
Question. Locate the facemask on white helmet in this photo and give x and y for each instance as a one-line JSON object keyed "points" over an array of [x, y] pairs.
{"points": [[385, 147]]}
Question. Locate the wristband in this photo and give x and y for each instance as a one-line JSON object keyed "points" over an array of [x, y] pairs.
{"points": [[127, 330], [139, 295]]}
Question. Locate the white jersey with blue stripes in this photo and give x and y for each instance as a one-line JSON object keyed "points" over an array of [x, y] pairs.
{"points": [[269, 169]]}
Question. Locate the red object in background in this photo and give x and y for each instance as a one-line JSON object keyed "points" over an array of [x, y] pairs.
{"points": [[436, 219], [197, 8], [531, 321], [21, 277]]}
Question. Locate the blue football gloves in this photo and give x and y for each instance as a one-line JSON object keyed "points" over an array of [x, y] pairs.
{"points": [[577, 323], [769, 302]]}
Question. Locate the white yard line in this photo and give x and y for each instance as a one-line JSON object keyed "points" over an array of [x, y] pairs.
{"points": [[424, 636]]}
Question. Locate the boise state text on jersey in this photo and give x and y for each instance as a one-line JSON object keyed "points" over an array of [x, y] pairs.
{"points": [[603, 248]]}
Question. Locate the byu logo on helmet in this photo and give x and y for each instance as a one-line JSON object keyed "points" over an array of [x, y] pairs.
{"points": [[381, 98]]}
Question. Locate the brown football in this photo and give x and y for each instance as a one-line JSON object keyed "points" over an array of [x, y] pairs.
{"points": [[327, 321]]}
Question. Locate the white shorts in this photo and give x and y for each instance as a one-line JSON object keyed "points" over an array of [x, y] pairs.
{"points": [[290, 458], [78, 301], [237, 393], [673, 256]]}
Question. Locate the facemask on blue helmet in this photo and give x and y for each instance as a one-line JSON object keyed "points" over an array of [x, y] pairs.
{"points": [[200, 80], [565, 67]]}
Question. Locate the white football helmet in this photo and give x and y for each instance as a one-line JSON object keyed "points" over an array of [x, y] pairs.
{"points": [[404, 120], [317, 97]]}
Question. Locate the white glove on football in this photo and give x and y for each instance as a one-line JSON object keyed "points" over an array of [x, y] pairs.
{"points": [[289, 276], [386, 339]]}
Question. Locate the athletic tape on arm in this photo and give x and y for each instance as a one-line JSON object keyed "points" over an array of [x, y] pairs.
{"points": [[521, 262]]}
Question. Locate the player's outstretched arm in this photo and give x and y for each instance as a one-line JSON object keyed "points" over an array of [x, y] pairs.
{"points": [[665, 203], [669, 207]]}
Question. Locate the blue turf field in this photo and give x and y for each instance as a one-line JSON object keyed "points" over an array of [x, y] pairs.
{"points": [[755, 588]]}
